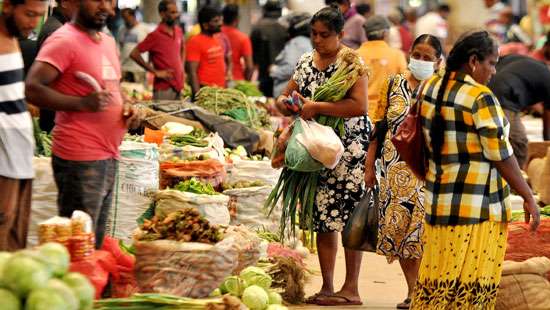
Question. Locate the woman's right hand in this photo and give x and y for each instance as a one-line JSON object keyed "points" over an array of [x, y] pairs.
{"points": [[532, 213], [281, 106], [370, 177]]}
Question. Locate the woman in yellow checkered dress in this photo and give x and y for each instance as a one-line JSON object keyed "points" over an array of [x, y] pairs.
{"points": [[401, 222], [470, 164]]}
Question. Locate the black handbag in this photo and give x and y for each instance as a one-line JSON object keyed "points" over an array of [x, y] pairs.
{"points": [[361, 230]]}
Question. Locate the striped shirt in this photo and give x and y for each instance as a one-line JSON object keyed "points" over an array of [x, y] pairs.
{"points": [[16, 132], [465, 187]]}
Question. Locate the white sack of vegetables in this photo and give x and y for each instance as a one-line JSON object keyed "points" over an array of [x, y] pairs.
{"points": [[44, 196], [253, 170], [212, 207], [250, 212]]}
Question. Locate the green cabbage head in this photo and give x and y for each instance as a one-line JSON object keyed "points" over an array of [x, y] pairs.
{"points": [[256, 276], [255, 298], [9, 301], [235, 285]]}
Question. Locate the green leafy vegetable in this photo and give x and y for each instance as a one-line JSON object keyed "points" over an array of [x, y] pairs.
{"points": [[256, 276], [195, 186], [9, 301], [255, 298]]}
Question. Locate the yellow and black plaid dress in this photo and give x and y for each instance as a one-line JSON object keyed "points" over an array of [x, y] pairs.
{"points": [[466, 199]]}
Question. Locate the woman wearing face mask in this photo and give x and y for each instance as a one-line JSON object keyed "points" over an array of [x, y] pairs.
{"points": [[470, 164], [401, 193]]}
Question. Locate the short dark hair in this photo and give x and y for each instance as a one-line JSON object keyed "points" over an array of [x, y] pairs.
{"points": [[207, 13], [331, 17], [19, 2], [230, 13], [444, 8], [376, 35], [431, 40], [329, 2], [163, 5], [129, 11], [363, 8]]}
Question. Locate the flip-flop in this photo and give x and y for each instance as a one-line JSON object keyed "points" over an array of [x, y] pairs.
{"points": [[406, 304], [313, 299], [338, 300]]}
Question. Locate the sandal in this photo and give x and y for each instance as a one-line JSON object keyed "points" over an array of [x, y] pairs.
{"points": [[314, 299], [338, 300], [406, 304]]}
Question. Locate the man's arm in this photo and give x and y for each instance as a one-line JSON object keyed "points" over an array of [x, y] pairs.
{"points": [[38, 91], [161, 74], [229, 66], [192, 69], [183, 55], [248, 67]]}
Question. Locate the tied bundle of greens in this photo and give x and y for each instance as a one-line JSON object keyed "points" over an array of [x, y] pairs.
{"points": [[297, 189]]}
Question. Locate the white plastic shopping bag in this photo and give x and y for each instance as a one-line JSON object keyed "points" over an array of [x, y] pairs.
{"points": [[321, 142]]}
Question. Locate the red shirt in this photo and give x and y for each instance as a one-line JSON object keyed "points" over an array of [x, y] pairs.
{"points": [[240, 46], [165, 53], [208, 52], [85, 136]]}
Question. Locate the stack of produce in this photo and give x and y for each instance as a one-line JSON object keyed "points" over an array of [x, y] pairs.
{"points": [[253, 287], [296, 188], [289, 277], [209, 171], [39, 280], [186, 225], [43, 140], [195, 138], [195, 186], [168, 302], [242, 184], [248, 88], [234, 103]]}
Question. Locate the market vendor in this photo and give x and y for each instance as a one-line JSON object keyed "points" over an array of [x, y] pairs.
{"points": [[90, 124], [521, 82], [18, 19], [207, 62], [166, 49]]}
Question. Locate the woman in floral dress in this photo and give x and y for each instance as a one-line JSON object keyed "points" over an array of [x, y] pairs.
{"points": [[401, 193], [341, 188]]}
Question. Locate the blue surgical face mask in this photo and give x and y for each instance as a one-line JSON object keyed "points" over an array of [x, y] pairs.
{"points": [[421, 69]]}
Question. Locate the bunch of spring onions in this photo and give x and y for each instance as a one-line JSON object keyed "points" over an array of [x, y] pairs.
{"points": [[166, 302], [297, 189]]}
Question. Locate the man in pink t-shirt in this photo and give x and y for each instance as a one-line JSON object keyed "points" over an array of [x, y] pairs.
{"points": [[90, 121]]}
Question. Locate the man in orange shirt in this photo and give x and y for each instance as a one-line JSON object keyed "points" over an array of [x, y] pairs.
{"points": [[206, 62], [240, 44], [382, 59]]}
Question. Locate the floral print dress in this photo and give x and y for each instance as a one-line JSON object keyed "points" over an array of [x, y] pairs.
{"points": [[340, 189]]}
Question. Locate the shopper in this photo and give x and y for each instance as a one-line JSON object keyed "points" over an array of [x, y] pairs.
{"points": [[18, 19], [341, 188], [268, 38], [521, 82], [89, 124], [401, 205], [354, 34], [240, 44], [61, 14], [129, 36], [382, 59], [282, 70], [435, 23], [166, 48], [470, 164], [207, 65]]}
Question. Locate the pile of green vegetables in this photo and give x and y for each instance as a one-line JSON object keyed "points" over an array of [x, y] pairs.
{"points": [[232, 103], [195, 138], [253, 287], [43, 140], [519, 215], [39, 279], [248, 88], [297, 188], [242, 184], [195, 186], [167, 302]]}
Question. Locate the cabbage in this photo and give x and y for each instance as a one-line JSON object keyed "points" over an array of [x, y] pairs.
{"points": [[256, 276], [4, 256], [82, 288], [255, 297], [64, 291], [216, 293], [56, 257], [276, 307], [235, 285], [45, 299], [275, 298], [8, 300], [23, 274], [223, 289]]}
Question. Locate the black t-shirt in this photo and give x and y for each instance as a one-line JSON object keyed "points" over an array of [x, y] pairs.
{"points": [[520, 82]]}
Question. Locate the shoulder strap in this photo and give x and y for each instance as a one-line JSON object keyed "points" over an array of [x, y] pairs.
{"points": [[419, 97]]}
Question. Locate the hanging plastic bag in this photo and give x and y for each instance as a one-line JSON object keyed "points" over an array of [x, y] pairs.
{"points": [[297, 157], [321, 142]]}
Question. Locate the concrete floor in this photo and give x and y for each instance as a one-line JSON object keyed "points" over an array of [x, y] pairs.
{"points": [[381, 285]]}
